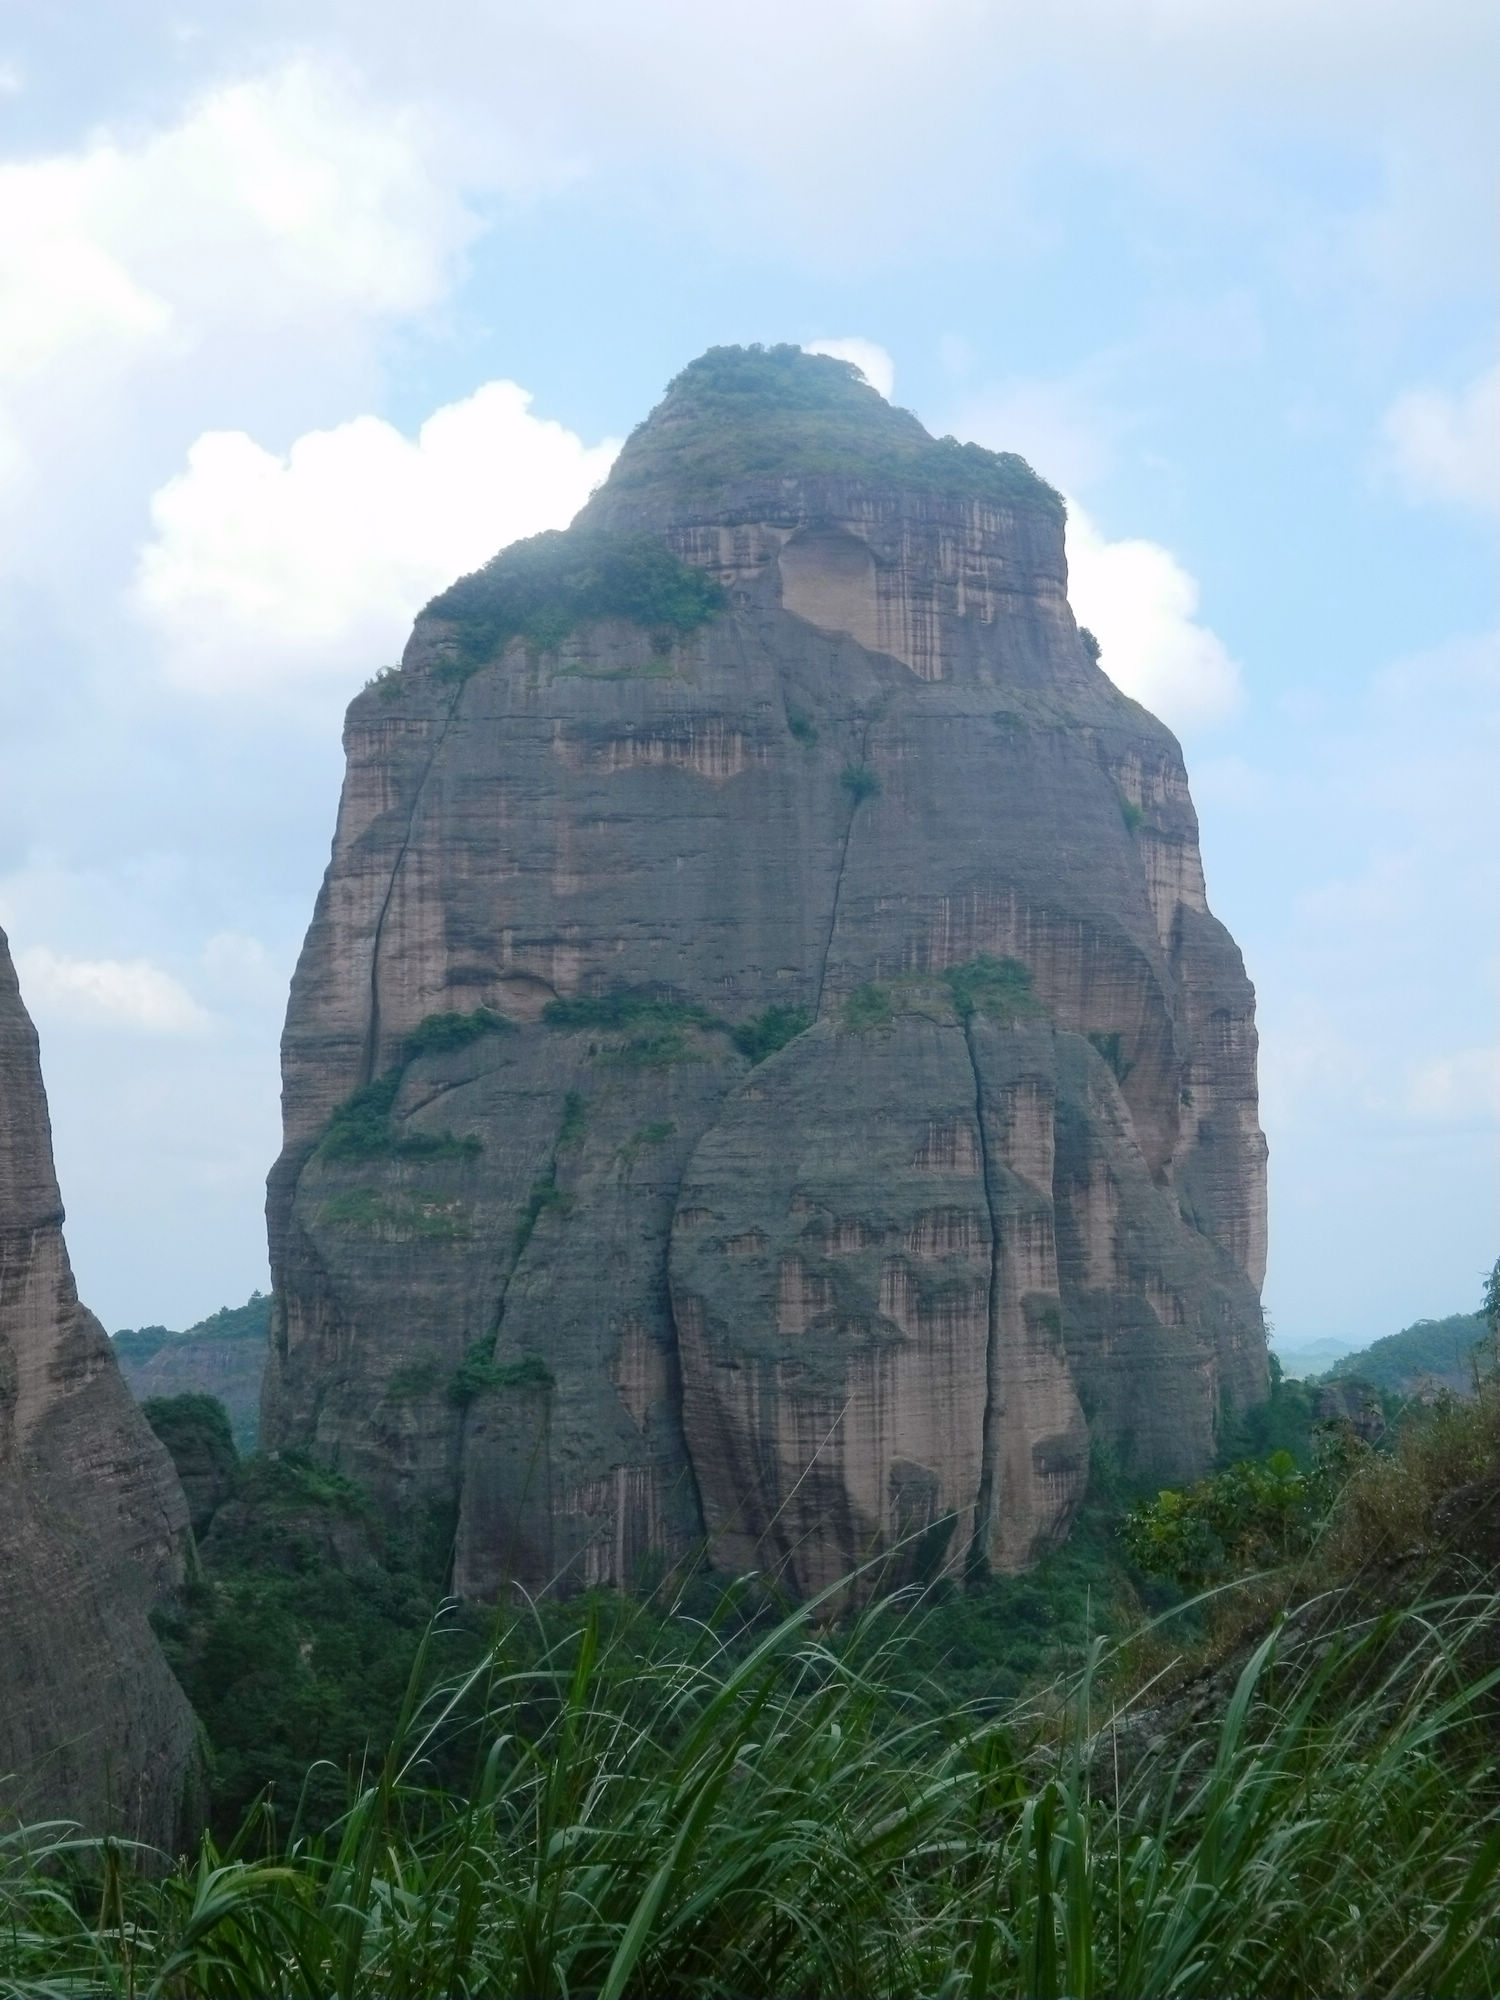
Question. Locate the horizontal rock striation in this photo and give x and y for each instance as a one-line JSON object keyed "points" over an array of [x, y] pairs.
{"points": [[93, 1523], [762, 1065]]}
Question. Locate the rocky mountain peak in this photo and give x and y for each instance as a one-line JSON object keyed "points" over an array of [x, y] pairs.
{"points": [[751, 432], [763, 1071]]}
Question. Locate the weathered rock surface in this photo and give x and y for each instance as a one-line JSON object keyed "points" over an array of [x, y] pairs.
{"points": [[93, 1523], [591, 1276]]}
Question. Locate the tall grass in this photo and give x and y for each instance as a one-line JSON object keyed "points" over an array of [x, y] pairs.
{"points": [[660, 1809]]}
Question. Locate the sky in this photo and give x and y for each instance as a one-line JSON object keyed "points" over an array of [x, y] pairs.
{"points": [[305, 310]]}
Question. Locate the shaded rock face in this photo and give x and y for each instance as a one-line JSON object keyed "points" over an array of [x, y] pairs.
{"points": [[93, 1523], [595, 1278]]}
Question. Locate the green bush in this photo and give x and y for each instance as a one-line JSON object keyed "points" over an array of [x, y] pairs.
{"points": [[998, 987], [192, 1427], [1132, 815], [1090, 644], [802, 727], [479, 1372], [658, 1048], [440, 1032], [868, 1006], [860, 782], [544, 588], [764, 1033], [360, 1128], [1251, 1516], [627, 1007]]}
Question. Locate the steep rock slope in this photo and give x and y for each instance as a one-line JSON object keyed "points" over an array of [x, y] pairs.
{"points": [[93, 1523], [762, 1062]]}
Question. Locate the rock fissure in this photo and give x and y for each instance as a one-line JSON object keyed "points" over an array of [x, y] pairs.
{"points": [[984, 1499], [372, 1035], [855, 802]]}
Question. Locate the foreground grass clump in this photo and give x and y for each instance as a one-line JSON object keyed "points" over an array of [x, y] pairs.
{"points": [[658, 1809]]}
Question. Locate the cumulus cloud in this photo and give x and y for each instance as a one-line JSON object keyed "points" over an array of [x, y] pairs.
{"points": [[271, 197], [872, 361], [284, 213], [310, 565], [1447, 448], [1141, 605], [131, 994]]}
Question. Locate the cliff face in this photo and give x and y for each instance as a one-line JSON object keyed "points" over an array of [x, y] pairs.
{"points": [[762, 1062], [93, 1524]]}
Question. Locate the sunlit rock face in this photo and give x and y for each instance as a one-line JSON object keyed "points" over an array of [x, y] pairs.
{"points": [[980, 1173], [93, 1523]]}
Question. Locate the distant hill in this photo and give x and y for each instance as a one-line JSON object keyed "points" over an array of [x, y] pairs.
{"points": [[1311, 1357], [223, 1355], [1434, 1353]]}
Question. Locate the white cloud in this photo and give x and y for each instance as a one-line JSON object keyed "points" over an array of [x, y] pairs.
{"points": [[1460, 1087], [128, 993], [872, 361], [1140, 603], [265, 568], [279, 221], [272, 198], [1447, 448]]}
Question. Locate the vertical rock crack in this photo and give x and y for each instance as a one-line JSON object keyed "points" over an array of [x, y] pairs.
{"points": [[838, 880], [372, 1032], [976, 1565]]}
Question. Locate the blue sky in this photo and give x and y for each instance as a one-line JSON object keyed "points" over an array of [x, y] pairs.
{"points": [[304, 314]]}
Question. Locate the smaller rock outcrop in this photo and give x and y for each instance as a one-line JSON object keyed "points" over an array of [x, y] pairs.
{"points": [[93, 1522], [223, 1356]]}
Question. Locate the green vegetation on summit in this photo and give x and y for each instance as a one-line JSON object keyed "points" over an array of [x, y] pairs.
{"points": [[776, 413], [137, 1344], [544, 588]]}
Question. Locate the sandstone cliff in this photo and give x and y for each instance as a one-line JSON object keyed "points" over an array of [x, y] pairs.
{"points": [[93, 1523], [762, 1063]]}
